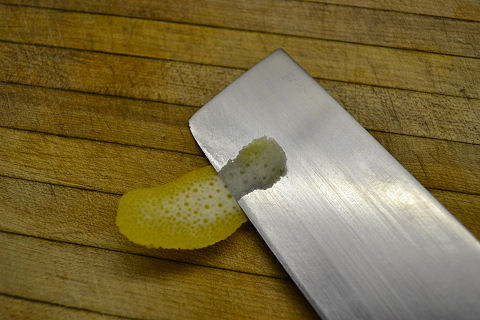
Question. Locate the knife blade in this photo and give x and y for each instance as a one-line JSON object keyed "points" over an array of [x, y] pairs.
{"points": [[359, 235]]}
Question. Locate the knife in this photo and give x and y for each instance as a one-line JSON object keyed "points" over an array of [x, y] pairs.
{"points": [[359, 235]]}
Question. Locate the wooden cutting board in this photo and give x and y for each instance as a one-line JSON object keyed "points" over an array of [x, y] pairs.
{"points": [[95, 99]]}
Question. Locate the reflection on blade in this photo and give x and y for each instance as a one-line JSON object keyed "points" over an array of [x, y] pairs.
{"points": [[357, 233]]}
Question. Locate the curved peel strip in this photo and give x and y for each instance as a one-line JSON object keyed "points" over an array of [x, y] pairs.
{"points": [[191, 212], [197, 209]]}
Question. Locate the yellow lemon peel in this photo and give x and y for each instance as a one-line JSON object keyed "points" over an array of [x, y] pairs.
{"points": [[258, 166], [191, 212], [198, 209]]}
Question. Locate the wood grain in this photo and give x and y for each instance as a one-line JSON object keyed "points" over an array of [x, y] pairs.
{"points": [[17, 308], [306, 19], [165, 126], [347, 62], [458, 9], [125, 121], [140, 287], [436, 164], [88, 218], [410, 112], [166, 81], [466, 208], [116, 168], [89, 164], [94, 100]]}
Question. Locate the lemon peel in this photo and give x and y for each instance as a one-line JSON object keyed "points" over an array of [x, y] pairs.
{"points": [[191, 212], [198, 209], [258, 166]]}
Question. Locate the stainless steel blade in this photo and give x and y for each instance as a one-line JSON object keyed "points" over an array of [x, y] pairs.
{"points": [[357, 233]]}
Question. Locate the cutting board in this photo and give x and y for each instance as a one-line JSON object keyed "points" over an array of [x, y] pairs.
{"points": [[95, 100]]}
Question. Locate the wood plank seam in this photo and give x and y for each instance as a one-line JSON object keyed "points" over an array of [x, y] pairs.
{"points": [[203, 64], [65, 185], [125, 251], [417, 136], [141, 255], [450, 87], [256, 31], [104, 94], [101, 213], [201, 156], [383, 10], [301, 1], [249, 30], [122, 54], [94, 225], [63, 90], [65, 306], [182, 105], [71, 218], [116, 143], [153, 287], [119, 194], [146, 147], [430, 179]]}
